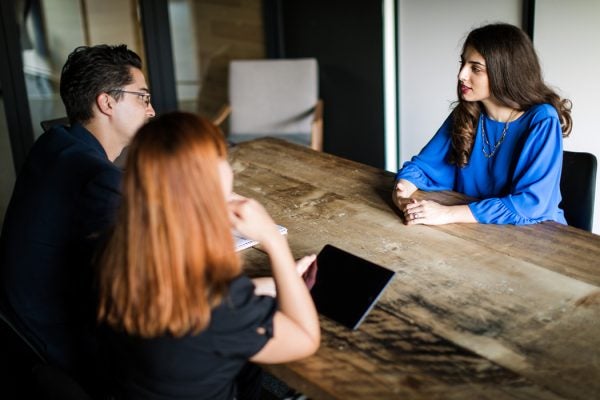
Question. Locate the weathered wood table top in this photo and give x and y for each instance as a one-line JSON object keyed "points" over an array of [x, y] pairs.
{"points": [[474, 312]]}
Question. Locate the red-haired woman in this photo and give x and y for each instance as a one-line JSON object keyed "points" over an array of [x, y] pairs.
{"points": [[182, 318]]}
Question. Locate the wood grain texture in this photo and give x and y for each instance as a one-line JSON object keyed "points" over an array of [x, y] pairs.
{"points": [[512, 312]]}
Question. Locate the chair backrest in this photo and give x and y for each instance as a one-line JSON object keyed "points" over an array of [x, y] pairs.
{"points": [[19, 358], [24, 373], [272, 96], [49, 123], [578, 188], [16, 343]]}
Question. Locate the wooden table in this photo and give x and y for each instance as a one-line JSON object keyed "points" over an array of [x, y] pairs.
{"points": [[475, 311]]}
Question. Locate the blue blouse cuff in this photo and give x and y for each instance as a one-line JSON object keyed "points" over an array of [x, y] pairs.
{"points": [[497, 211]]}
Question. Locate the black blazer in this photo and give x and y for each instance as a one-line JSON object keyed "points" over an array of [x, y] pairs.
{"points": [[65, 196]]}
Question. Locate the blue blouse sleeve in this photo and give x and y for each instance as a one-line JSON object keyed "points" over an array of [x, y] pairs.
{"points": [[534, 192], [429, 170]]}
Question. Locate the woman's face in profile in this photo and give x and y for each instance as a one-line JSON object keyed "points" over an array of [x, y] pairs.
{"points": [[226, 176], [473, 77]]}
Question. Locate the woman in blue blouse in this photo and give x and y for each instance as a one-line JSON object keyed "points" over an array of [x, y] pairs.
{"points": [[502, 143]]}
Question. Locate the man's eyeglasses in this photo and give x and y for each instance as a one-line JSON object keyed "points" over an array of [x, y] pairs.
{"points": [[143, 95]]}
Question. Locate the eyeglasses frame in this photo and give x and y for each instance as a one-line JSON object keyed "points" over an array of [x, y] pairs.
{"points": [[146, 97]]}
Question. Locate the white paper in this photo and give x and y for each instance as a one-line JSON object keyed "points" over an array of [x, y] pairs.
{"points": [[242, 242]]}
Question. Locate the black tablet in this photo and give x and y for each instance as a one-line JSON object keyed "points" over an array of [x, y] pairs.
{"points": [[346, 286]]}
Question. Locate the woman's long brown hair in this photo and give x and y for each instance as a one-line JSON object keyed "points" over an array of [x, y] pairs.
{"points": [[515, 79], [171, 256]]}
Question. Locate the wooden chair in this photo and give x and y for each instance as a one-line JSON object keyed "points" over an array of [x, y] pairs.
{"points": [[578, 188], [274, 98]]}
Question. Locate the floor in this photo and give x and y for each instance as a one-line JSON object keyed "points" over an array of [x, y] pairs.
{"points": [[274, 389]]}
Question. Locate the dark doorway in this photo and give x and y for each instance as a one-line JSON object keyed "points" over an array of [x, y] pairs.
{"points": [[347, 40]]}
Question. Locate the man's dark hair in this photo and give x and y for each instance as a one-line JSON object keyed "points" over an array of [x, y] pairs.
{"points": [[90, 71]]}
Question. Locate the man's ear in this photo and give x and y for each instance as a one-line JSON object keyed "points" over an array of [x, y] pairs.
{"points": [[105, 103]]}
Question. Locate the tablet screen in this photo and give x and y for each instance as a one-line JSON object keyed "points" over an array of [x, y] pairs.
{"points": [[347, 286]]}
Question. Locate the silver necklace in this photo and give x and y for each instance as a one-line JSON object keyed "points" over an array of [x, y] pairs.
{"points": [[499, 142]]}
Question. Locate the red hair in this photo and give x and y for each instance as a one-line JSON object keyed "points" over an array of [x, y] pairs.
{"points": [[171, 255]]}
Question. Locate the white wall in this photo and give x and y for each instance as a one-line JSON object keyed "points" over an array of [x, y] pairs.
{"points": [[567, 38], [431, 32]]}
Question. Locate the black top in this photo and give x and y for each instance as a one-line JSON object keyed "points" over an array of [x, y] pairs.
{"points": [[201, 366], [66, 193]]}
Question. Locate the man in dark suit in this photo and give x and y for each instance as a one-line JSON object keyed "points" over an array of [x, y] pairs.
{"points": [[64, 198]]}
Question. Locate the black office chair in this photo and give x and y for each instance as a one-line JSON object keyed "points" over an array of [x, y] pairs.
{"points": [[49, 123], [578, 188], [25, 374]]}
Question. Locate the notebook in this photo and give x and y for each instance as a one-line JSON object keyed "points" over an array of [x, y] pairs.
{"points": [[242, 242], [347, 286]]}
